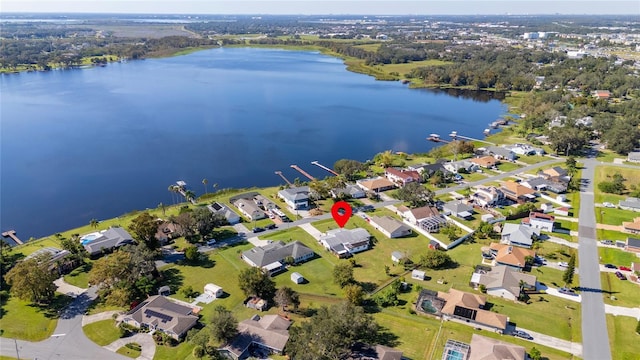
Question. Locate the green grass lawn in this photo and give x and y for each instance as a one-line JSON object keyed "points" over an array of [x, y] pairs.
{"points": [[79, 276], [614, 216], [604, 173], [625, 292], [102, 332], [407, 67], [508, 166], [624, 341], [613, 235], [534, 159], [415, 334], [132, 353], [24, 321], [616, 256]]}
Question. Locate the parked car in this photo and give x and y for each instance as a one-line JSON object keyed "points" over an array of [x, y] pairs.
{"points": [[367, 208], [211, 242], [608, 205], [567, 291], [610, 266], [620, 275], [607, 242], [271, 226], [624, 268], [522, 334], [563, 264], [257, 230]]}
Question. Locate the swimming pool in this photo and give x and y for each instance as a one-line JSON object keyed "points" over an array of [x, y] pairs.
{"points": [[89, 238], [454, 355], [428, 307]]}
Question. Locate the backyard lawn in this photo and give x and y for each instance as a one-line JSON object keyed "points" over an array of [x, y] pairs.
{"points": [[616, 256], [625, 292], [102, 332], [623, 338], [24, 321], [614, 216], [79, 276]]}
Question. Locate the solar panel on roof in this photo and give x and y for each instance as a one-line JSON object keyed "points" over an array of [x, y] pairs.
{"points": [[161, 316]]}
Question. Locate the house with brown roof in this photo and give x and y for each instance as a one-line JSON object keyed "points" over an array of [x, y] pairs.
{"points": [[375, 185], [269, 333], [402, 177], [509, 255], [484, 348], [160, 314], [470, 308], [486, 161], [503, 281], [517, 193], [632, 226], [602, 94], [362, 351], [538, 220]]}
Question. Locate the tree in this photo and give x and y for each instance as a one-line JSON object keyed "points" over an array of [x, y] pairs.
{"points": [[205, 182], [354, 294], [616, 186], [485, 231], [205, 221], [144, 227], [349, 168], [535, 354], [435, 259], [94, 223], [331, 333], [253, 281], [185, 222], [451, 231], [343, 274], [224, 326], [567, 277], [189, 195], [285, 296], [198, 352], [162, 207], [31, 280], [192, 255], [569, 140], [572, 165], [384, 159], [416, 194]]}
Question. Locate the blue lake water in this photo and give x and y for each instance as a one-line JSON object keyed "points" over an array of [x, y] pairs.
{"points": [[100, 142]]}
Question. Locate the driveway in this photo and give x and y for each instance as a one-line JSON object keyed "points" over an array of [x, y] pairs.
{"points": [[553, 342], [145, 340]]}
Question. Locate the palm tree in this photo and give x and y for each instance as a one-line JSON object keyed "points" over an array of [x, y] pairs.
{"points": [[189, 195], [172, 190], [215, 187], [162, 207], [94, 223], [205, 182]]}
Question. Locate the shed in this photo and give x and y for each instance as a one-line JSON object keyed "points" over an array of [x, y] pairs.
{"points": [[487, 217], [396, 256], [164, 291], [213, 290], [297, 278], [417, 274]]}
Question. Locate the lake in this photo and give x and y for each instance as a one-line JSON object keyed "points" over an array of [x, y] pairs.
{"points": [[99, 142]]}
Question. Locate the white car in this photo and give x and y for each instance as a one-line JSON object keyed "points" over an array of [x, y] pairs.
{"points": [[563, 264], [608, 205], [211, 242]]}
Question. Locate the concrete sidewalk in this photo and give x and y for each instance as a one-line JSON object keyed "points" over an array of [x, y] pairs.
{"points": [[67, 289], [622, 311]]}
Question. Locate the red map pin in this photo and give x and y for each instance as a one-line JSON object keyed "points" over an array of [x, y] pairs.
{"points": [[341, 212]]}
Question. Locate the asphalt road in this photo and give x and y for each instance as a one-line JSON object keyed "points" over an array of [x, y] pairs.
{"points": [[68, 341], [595, 339]]}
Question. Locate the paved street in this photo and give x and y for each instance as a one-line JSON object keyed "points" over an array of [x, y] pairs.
{"points": [[595, 338]]}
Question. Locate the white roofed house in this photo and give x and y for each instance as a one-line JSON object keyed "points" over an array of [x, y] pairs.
{"points": [[213, 290], [272, 257], [458, 208], [344, 243], [402, 177], [464, 165], [250, 209], [504, 281], [518, 235], [634, 157], [540, 221], [488, 196], [296, 198], [630, 203], [389, 226]]}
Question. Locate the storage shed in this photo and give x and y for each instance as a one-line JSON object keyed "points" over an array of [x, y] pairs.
{"points": [[417, 274], [297, 278], [396, 256], [213, 290]]}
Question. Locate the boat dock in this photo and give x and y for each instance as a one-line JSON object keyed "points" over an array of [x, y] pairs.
{"points": [[279, 173], [12, 234], [296, 167], [324, 167]]}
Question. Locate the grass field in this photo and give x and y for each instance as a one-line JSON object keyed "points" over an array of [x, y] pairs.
{"points": [[614, 216], [407, 67], [616, 256], [79, 276], [623, 338], [24, 321], [102, 332], [625, 292], [604, 173], [369, 47], [132, 353]]}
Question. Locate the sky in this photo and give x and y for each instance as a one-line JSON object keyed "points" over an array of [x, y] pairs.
{"points": [[311, 7]]}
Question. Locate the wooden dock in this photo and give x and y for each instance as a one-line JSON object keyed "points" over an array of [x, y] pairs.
{"points": [[12, 234], [296, 167], [279, 173], [324, 167]]}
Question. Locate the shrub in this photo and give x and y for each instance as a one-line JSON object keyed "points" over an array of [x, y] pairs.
{"points": [[482, 288]]}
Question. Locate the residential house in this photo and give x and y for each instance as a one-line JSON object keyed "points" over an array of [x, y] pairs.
{"points": [[375, 185], [503, 281], [250, 209], [166, 231], [418, 274], [602, 94], [537, 220], [632, 244], [555, 172], [634, 156], [546, 207], [518, 235], [224, 210], [106, 240], [269, 333], [296, 198], [428, 169], [524, 149], [389, 226], [470, 308], [427, 218], [631, 203], [632, 226], [402, 177], [484, 348], [585, 121], [501, 153], [561, 211], [349, 191], [271, 257], [488, 196], [213, 290], [555, 185], [516, 192], [60, 261], [362, 351], [461, 166], [510, 255], [344, 243], [161, 314], [635, 266], [486, 162], [397, 256], [457, 208]]}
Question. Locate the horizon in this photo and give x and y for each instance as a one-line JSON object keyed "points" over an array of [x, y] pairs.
{"points": [[319, 7]]}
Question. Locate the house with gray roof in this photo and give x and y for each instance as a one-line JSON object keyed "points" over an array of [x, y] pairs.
{"points": [[349, 191], [269, 333], [518, 235], [457, 208], [297, 198], [389, 226], [271, 257], [160, 314], [634, 156], [631, 203], [224, 210], [500, 153], [107, 240], [457, 166], [344, 243], [503, 281], [429, 169], [250, 209]]}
